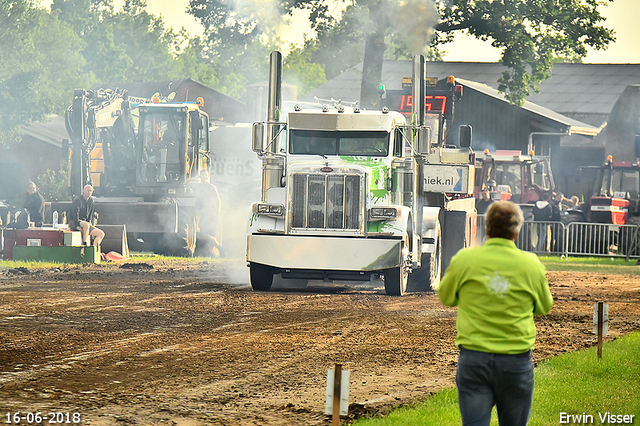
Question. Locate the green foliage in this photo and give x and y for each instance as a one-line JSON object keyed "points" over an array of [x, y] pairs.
{"points": [[40, 65], [53, 185], [130, 45], [299, 70], [529, 34]]}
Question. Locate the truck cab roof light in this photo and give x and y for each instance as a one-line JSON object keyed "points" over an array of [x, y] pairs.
{"points": [[385, 110], [155, 100], [297, 107], [609, 158], [451, 81], [200, 102], [531, 153], [325, 108], [486, 151]]}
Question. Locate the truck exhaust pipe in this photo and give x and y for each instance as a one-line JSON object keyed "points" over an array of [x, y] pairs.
{"points": [[272, 164], [418, 109], [421, 142], [274, 100]]}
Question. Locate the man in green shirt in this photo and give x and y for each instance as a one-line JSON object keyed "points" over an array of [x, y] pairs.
{"points": [[497, 289]]}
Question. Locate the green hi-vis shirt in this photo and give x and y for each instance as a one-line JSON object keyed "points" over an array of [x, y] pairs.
{"points": [[497, 289]]}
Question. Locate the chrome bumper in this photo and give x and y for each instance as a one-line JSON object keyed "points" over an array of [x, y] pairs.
{"points": [[324, 253]]}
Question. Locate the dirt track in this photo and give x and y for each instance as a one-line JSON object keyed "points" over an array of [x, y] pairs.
{"points": [[183, 343]]}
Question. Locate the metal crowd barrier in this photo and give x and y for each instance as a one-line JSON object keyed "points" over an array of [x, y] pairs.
{"points": [[574, 239]]}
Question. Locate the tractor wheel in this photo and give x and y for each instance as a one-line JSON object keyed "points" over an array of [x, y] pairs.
{"points": [[183, 243], [261, 276]]}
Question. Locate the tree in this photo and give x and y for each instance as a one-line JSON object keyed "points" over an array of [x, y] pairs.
{"points": [[299, 70], [528, 32], [128, 45], [40, 65]]}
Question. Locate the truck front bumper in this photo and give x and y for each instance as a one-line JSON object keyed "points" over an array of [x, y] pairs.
{"points": [[324, 253]]}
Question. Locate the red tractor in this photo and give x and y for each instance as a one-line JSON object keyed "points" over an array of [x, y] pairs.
{"points": [[614, 198], [510, 175]]}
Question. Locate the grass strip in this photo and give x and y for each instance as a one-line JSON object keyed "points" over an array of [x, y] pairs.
{"points": [[577, 384]]}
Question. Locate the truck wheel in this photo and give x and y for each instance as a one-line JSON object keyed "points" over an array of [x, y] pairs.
{"points": [[427, 277], [261, 276], [396, 279]]}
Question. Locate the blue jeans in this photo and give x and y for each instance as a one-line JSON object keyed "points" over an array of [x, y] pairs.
{"points": [[486, 379]]}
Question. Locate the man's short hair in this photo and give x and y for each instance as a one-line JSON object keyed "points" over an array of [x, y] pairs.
{"points": [[503, 220]]}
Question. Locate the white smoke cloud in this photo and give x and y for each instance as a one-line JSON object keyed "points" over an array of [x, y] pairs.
{"points": [[268, 14], [415, 20]]}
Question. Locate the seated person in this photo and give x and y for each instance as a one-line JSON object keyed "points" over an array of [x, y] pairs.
{"points": [[34, 204], [80, 217]]}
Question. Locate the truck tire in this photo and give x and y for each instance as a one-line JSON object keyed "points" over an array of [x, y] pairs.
{"points": [[261, 276], [396, 279], [427, 277]]}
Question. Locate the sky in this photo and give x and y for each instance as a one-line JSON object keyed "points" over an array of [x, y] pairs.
{"points": [[622, 15]]}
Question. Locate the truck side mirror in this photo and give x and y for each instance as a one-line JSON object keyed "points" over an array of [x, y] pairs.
{"points": [[464, 136], [637, 146], [424, 140], [398, 143], [257, 137]]}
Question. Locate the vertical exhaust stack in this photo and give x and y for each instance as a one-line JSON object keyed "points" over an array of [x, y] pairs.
{"points": [[272, 164], [418, 111], [274, 100]]}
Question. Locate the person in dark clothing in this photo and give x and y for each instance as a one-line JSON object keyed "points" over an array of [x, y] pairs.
{"points": [[542, 212], [80, 217], [557, 207], [208, 209], [34, 203], [483, 204]]}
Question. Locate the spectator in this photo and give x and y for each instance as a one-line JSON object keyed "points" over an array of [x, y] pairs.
{"points": [[81, 216], [542, 212], [208, 209], [34, 203], [497, 289], [483, 203], [558, 205]]}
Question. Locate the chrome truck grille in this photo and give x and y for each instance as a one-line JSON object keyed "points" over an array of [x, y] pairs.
{"points": [[327, 201]]}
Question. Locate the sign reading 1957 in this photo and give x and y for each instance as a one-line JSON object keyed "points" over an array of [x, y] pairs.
{"points": [[40, 418]]}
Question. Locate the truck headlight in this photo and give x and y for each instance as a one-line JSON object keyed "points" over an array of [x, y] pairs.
{"points": [[270, 209], [383, 212]]}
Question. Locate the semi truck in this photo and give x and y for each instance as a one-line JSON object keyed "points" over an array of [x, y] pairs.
{"points": [[142, 160], [350, 194]]}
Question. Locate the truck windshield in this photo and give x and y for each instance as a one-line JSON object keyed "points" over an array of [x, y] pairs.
{"points": [[356, 143], [161, 136]]}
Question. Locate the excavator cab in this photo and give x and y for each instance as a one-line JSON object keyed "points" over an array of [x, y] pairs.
{"points": [[173, 144]]}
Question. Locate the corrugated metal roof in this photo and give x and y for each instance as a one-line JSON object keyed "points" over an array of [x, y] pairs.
{"points": [[572, 126], [52, 131], [572, 88]]}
